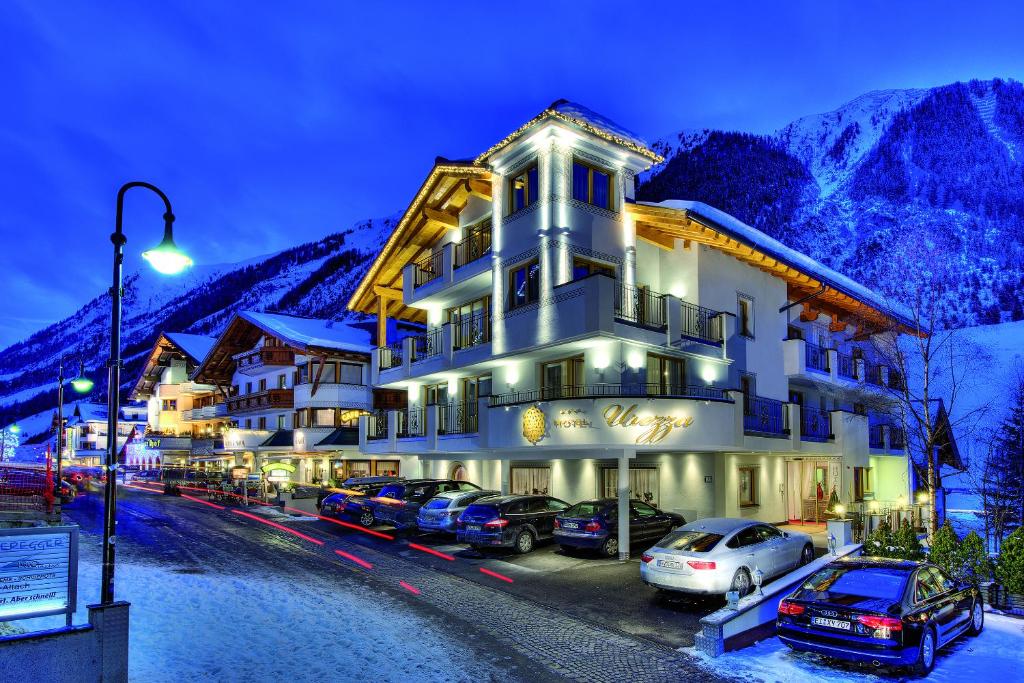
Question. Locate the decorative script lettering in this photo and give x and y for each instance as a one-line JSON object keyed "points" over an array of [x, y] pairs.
{"points": [[655, 427]]}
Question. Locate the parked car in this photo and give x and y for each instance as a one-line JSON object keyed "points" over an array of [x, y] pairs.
{"points": [[146, 475], [594, 525], [869, 609], [355, 489], [441, 513], [29, 481], [515, 521], [721, 554], [399, 503]]}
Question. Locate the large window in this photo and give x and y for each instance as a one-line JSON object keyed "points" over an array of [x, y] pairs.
{"points": [[435, 394], [323, 417], [524, 284], [665, 375], [530, 480], [560, 378], [748, 486], [169, 404], [591, 185], [350, 373], [470, 323], [524, 189], [581, 268], [746, 315], [644, 483]]}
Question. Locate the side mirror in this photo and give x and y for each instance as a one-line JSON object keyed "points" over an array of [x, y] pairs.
{"points": [[785, 534]]}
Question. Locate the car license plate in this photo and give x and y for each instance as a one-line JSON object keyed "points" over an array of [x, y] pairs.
{"points": [[570, 525], [669, 564], [831, 623], [472, 527]]}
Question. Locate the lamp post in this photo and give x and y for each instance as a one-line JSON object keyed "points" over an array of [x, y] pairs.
{"points": [[82, 385], [166, 258]]}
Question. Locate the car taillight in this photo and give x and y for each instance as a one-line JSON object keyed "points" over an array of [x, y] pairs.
{"points": [[499, 523], [791, 608], [875, 623], [558, 525], [593, 526], [700, 564], [645, 558]]}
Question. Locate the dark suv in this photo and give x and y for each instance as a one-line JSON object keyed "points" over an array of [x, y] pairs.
{"points": [[356, 489], [515, 521], [399, 503]]}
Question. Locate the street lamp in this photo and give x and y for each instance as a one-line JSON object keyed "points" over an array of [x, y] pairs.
{"points": [[168, 259], [82, 385]]}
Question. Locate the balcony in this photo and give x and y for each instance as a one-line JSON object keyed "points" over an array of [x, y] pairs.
{"points": [[700, 324], [426, 345], [641, 307], [471, 331], [271, 399], [637, 390], [846, 366], [205, 413], [411, 423], [333, 395], [816, 358], [876, 436], [427, 269], [476, 244], [377, 425], [765, 417], [815, 424], [873, 374], [457, 418], [897, 439], [258, 360], [390, 356]]}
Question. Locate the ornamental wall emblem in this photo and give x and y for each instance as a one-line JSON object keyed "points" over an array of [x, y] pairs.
{"points": [[535, 424]]}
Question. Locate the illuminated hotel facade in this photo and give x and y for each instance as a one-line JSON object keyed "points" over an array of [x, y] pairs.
{"points": [[583, 344]]}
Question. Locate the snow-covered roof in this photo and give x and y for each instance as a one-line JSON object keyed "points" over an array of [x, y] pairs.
{"points": [[753, 237], [97, 412], [304, 333], [195, 345]]}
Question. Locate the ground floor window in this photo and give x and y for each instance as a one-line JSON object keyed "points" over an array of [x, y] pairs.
{"points": [[458, 472], [748, 486], [385, 468], [862, 484], [346, 469], [644, 484], [531, 480]]}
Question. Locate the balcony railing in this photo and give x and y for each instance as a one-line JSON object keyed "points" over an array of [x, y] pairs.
{"points": [[815, 424], [817, 357], [873, 374], [411, 422], [701, 324], [427, 269], [765, 416], [457, 418], [634, 390], [847, 366], [640, 306], [471, 330], [876, 436], [264, 400], [477, 243], [389, 356], [377, 425], [257, 359], [427, 345], [895, 380], [897, 439]]}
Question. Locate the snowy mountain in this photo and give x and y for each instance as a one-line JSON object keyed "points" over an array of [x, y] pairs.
{"points": [[893, 180], [312, 279]]}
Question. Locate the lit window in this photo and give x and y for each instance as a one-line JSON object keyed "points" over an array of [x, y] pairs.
{"points": [[324, 417], [581, 268], [350, 373], [282, 382], [748, 486], [524, 284], [530, 480], [591, 185], [524, 189]]}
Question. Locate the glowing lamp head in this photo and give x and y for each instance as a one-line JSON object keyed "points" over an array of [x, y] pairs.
{"points": [[635, 359], [922, 497], [14, 428], [678, 290], [166, 257], [840, 510], [82, 384]]}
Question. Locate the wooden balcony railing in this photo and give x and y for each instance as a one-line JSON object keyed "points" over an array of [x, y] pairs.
{"points": [[264, 356], [271, 399]]}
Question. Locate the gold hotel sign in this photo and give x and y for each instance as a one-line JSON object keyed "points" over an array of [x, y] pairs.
{"points": [[650, 429]]}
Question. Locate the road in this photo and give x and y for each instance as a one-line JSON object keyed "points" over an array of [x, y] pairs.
{"points": [[542, 616]]}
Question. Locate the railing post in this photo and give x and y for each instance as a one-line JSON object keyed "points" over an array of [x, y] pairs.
{"points": [[364, 425], [674, 319], [430, 429], [408, 349], [447, 343], [795, 425], [447, 263], [833, 363], [392, 430], [375, 355], [727, 325]]}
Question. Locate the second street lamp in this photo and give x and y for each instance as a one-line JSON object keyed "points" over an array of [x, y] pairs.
{"points": [[82, 385], [165, 258]]}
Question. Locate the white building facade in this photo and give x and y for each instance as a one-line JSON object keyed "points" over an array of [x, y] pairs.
{"points": [[581, 344]]}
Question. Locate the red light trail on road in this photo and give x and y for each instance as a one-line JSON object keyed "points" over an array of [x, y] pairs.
{"points": [[495, 575], [412, 589], [279, 526], [358, 560], [431, 551], [350, 525], [204, 502]]}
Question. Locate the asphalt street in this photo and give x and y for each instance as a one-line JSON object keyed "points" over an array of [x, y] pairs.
{"points": [[542, 616]]}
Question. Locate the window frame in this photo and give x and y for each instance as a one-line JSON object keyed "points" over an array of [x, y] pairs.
{"points": [[529, 199], [593, 267], [531, 297], [745, 321], [591, 168], [754, 499]]}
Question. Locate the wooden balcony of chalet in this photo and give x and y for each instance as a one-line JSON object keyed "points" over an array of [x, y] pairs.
{"points": [[258, 360], [271, 399]]}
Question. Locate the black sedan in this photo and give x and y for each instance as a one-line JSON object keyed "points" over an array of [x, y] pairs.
{"points": [[885, 612], [512, 521], [594, 525]]}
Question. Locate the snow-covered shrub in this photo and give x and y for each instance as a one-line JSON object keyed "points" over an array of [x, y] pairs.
{"points": [[965, 559], [1010, 568], [902, 544]]}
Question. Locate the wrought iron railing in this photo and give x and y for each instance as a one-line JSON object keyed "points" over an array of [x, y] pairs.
{"points": [[701, 324], [427, 345], [847, 366], [630, 390], [765, 416], [389, 356], [471, 330], [897, 439], [817, 357], [873, 374], [427, 270], [815, 424], [377, 425], [895, 379], [640, 306], [411, 422], [457, 418], [876, 436], [477, 243]]}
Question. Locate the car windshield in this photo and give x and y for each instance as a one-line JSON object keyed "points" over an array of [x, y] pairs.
{"points": [[884, 583], [392, 491], [588, 509], [690, 541], [437, 503]]}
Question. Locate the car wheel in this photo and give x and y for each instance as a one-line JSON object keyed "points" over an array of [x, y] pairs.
{"points": [[741, 582], [925, 654], [366, 518], [807, 555], [610, 548], [524, 542], [977, 618]]}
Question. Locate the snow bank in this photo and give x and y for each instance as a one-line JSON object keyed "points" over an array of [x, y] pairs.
{"points": [[992, 656]]}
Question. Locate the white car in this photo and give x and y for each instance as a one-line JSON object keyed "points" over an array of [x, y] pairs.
{"points": [[719, 554]]}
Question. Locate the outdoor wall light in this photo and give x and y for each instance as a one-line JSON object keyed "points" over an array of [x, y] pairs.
{"points": [[166, 257], [841, 511], [708, 374], [601, 359], [635, 359], [678, 290], [922, 497]]}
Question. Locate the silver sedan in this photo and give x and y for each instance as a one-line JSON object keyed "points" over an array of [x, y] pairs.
{"points": [[720, 554], [440, 513]]}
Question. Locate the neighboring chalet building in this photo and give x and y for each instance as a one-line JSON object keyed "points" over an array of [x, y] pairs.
{"points": [[85, 435], [583, 344], [185, 419], [295, 389]]}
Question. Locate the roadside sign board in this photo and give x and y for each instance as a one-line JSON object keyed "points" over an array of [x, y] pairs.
{"points": [[38, 572], [239, 473]]}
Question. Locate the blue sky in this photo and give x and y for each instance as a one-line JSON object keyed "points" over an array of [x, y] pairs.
{"points": [[271, 124]]}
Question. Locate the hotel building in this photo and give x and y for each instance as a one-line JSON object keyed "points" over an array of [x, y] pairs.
{"points": [[584, 344]]}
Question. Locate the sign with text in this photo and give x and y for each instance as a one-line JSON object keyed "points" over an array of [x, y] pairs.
{"points": [[38, 572]]}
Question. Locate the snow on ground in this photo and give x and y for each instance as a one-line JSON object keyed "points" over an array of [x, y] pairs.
{"points": [[218, 627], [994, 655]]}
